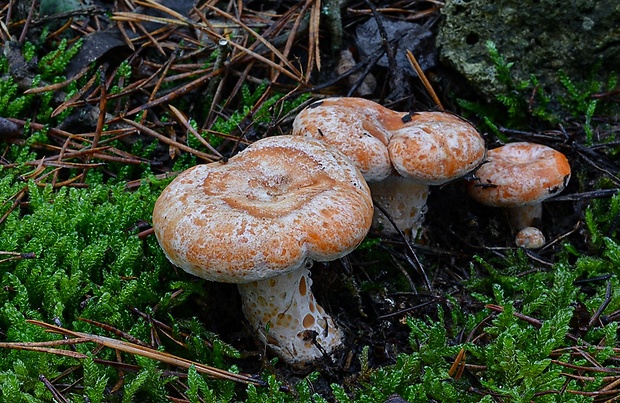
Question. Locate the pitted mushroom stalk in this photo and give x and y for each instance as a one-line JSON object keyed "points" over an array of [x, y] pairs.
{"points": [[404, 201], [259, 220], [399, 154], [519, 177], [288, 318]]}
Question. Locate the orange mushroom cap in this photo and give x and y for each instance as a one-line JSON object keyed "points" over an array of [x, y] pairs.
{"points": [[435, 148], [358, 127], [519, 174], [266, 211]]}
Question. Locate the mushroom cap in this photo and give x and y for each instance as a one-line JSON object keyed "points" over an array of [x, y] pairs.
{"points": [[435, 148], [520, 174], [358, 127], [269, 209], [530, 238]]}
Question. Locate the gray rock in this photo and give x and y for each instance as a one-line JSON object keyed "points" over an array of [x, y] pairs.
{"points": [[403, 36], [539, 36]]}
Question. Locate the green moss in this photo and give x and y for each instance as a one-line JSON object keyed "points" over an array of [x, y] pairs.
{"points": [[54, 63], [11, 105], [518, 101]]}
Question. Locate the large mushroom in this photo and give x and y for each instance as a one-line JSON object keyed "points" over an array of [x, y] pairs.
{"points": [[519, 177], [399, 154], [259, 220]]}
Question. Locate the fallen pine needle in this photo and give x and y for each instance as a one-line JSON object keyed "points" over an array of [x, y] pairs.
{"points": [[120, 345]]}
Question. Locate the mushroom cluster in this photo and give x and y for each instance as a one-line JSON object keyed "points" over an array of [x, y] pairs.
{"points": [[399, 154], [259, 220]]}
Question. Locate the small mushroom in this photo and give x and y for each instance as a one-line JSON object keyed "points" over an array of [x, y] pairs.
{"points": [[259, 220], [519, 177], [399, 154], [530, 238], [434, 148]]}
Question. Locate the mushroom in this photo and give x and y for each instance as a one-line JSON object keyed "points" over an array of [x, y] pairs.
{"points": [[399, 154], [519, 177], [434, 148], [357, 127], [530, 238], [259, 220]]}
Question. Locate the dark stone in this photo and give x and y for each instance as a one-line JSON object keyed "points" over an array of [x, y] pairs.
{"points": [[540, 37], [402, 36]]}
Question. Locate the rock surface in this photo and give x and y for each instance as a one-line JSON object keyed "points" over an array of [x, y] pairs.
{"points": [[540, 37], [403, 36]]}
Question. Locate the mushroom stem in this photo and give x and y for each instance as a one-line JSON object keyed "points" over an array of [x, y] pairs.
{"points": [[524, 216], [404, 201], [287, 317]]}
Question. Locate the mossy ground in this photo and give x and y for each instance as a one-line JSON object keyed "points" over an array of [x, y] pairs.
{"points": [[77, 187]]}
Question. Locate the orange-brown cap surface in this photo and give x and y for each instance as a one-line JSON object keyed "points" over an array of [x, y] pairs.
{"points": [[358, 127], [519, 174], [435, 147], [267, 210]]}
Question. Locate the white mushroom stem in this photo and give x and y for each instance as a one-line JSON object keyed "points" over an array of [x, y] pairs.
{"points": [[288, 319], [524, 216], [404, 201]]}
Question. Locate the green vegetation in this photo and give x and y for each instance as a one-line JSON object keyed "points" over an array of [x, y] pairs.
{"points": [[521, 101]]}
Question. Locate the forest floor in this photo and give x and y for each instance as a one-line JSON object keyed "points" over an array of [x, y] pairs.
{"points": [[101, 105]]}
